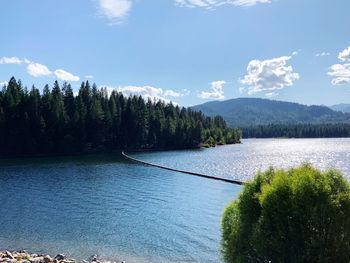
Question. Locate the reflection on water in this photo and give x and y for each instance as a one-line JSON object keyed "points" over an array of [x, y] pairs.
{"points": [[243, 161], [119, 210]]}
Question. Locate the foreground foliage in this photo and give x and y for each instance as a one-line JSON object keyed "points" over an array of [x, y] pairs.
{"points": [[296, 215], [57, 121]]}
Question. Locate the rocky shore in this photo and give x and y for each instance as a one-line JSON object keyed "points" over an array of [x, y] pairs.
{"points": [[25, 257]]}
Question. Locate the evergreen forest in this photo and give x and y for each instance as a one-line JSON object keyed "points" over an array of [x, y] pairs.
{"points": [[61, 121], [326, 130]]}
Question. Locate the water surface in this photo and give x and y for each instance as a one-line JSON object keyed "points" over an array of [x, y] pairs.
{"points": [[242, 161], [120, 210]]}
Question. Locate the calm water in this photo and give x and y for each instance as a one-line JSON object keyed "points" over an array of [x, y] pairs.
{"points": [[243, 161], [115, 209], [104, 205]]}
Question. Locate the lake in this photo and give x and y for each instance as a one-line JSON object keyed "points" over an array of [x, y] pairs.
{"points": [[119, 210]]}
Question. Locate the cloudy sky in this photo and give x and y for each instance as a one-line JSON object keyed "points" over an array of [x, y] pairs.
{"points": [[187, 51]]}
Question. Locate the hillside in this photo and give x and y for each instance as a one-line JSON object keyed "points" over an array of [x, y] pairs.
{"points": [[254, 111], [341, 107]]}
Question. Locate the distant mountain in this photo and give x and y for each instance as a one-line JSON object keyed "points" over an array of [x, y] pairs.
{"points": [[254, 111], [341, 107]]}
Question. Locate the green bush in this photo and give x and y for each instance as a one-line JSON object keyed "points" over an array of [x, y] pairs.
{"points": [[296, 215], [211, 142]]}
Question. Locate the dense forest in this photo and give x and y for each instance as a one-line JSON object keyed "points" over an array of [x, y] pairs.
{"points": [[58, 121], [297, 131]]}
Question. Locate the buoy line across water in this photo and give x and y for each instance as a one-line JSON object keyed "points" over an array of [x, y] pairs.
{"points": [[181, 171]]}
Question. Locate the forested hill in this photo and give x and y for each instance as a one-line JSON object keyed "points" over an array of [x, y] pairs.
{"points": [[341, 107], [336, 130], [57, 122], [244, 112]]}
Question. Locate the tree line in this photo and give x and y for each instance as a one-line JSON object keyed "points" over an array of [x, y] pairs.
{"points": [[58, 121], [331, 130]]}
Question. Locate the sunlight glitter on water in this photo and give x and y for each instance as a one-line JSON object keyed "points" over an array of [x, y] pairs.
{"points": [[242, 161]]}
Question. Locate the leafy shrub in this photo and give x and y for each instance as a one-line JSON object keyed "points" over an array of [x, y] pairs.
{"points": [[211, 142], [296, 215]]}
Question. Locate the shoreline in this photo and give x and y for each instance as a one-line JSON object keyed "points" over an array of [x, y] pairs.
{"points": [[23, 256], [115, 151]]}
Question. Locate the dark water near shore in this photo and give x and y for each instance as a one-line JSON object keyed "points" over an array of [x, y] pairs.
{"points": [[119, 210]]}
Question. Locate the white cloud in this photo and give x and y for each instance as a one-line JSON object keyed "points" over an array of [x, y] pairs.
{"points": [[323, 54], [89, 77], [344, 55], [248, 2], [269, 75], [216, 93], [194, 3], [11, 60], [186, 92], [3, 83], [271, 94], [242, 89], [147, 92], [114, 10], [210, 4], [38, 70], [172, 93], [66, 76], [341, 74]]}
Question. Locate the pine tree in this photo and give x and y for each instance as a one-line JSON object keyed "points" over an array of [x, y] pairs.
{"points": [[57, 121]]}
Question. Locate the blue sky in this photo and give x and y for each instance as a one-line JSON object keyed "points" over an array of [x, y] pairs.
{"points": [[187, 51]]}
